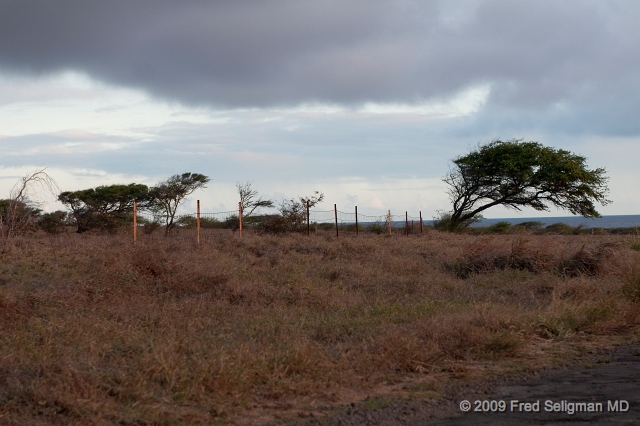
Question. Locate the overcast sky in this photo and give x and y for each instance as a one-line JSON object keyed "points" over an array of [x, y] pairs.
{"points": [[366, 101]]}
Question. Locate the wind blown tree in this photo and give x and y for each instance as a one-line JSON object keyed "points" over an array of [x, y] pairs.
{"points": [[104, 207], [249, 200], [518, 174], [168, 195]]}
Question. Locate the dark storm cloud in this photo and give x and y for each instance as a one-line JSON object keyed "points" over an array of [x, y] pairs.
{"points": [[534, 54]]}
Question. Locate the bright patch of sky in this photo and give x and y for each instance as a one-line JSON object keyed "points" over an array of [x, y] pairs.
{"points": [[72, 101]]}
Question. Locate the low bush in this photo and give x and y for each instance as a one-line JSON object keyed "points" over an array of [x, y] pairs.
{"points": [[559, 228], [55, 222], [587, 260], [498, 228], [376, 228]]}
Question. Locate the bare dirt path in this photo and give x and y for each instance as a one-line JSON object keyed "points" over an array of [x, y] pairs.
{"points": [[604, 379]]}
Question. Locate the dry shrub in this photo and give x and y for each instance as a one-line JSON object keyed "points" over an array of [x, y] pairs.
{"points": [[403, 351], [590, 261], [631, 283], [483, 331], [487, 256], [564, 320], [152, 261]]}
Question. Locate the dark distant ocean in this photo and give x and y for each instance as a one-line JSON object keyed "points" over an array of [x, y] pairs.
{"points": [[620, 221]]}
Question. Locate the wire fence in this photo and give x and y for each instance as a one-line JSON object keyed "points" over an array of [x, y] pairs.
{"points": [[203, 226], [359, 223], [186, 226]]}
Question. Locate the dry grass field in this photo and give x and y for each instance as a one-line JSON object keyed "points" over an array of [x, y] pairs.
{"points": [[95, 330]]}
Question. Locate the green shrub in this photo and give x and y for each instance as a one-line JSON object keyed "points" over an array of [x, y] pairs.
{"points": [[376, 228], [499, 228], [531, 225], [53, 223], [559, 228], [443, 222]]}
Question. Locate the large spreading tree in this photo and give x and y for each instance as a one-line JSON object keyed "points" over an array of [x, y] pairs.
{"points": [[518, 174], [104, 207]]}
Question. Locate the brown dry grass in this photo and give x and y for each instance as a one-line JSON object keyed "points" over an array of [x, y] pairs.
{"points": [[96, 331]]}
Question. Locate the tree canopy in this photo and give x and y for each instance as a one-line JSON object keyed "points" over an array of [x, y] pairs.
{"points": [[518, 174], [104, 206]]}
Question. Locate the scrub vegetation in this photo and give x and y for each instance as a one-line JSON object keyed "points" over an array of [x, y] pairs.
{"points": [[96, 330]]}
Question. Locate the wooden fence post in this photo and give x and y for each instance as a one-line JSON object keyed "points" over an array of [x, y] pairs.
{"points": [[335, 213], [308, 222], [356, 220], [389, 220], [421, 221], [240, 217], [135, 221], [406, 222], [198, 219]]}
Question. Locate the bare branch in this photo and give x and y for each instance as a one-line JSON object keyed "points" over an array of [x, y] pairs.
{"points": [[26, 196]]}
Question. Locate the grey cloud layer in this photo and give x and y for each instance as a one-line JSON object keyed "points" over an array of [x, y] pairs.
{"points": [[243, 54]]}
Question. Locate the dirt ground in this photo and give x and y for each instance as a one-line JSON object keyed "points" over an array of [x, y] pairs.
{"points": [[604, 377]]}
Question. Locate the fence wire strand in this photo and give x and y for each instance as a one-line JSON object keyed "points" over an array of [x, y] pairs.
{"points": [[213, 225]]}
